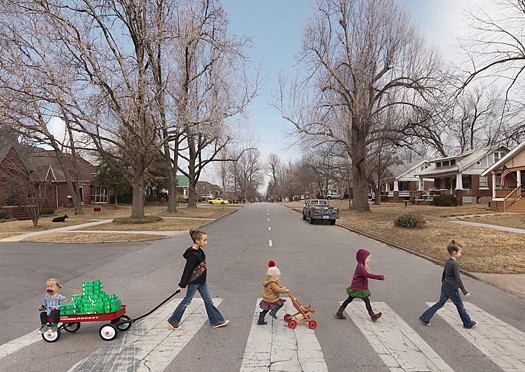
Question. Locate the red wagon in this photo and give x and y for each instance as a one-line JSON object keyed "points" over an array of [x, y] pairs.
{"points": [[71, 323]]}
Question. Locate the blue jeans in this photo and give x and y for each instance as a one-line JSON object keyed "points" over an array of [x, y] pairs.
{"points": [[455, 297], [214, 314]]}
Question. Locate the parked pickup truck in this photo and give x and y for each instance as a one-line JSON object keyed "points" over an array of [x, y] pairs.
{"points": [[320, 209]]}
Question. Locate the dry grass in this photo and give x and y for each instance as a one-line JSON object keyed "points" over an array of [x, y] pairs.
{"points": [[79, 238], [183, 220], [485, 250]]}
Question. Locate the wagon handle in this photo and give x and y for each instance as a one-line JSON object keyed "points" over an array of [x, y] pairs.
{"points": [[131, 321]]}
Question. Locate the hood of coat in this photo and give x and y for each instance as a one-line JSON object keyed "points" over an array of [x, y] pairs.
{"points": [[361, 256], [268, 280], [199, 253]]}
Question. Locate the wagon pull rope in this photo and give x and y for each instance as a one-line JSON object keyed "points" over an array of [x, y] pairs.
{"points": [[131, 321]]}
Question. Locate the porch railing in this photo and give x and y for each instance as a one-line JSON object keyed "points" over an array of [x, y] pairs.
{"points": [[511, 198]]}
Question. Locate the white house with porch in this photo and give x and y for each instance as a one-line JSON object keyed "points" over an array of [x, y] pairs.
{"points": [[461, 175]]}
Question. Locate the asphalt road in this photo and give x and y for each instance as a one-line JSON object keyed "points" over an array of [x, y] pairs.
{"points": [[317, 262]]}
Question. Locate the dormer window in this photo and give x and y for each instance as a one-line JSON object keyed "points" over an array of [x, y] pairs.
{"points": [[498, 155]]}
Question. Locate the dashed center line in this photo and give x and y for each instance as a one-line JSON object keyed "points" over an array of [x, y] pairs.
{"points": [[269, 243]]}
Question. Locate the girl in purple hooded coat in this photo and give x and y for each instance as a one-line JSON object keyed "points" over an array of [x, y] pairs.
{"points": [[359, 286]]}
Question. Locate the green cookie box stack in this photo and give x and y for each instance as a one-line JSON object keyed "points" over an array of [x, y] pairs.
{"points": [[93, 300]]}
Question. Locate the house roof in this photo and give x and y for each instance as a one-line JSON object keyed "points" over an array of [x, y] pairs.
{"points": [[46, 166], [463, 161], [503, 160], [400, 171], [182, 181]]}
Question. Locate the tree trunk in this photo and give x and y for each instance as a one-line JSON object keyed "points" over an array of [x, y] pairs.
{"points": [[137, 207]]}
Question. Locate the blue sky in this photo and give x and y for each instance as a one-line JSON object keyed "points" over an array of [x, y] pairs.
{"points": [[276, 27]]}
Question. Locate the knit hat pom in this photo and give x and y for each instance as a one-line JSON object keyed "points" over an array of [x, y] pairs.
{"points": [[273, 270]]}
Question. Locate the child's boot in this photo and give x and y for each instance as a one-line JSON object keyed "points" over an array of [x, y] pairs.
{"points": [[53, 328], [375, 316], [261, 319], [273, 313], [339, 314], [43, 328]]}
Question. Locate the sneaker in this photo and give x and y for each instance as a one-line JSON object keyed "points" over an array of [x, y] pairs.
{"points": [[425, 323], [53, 328], [471, 325], [221, 324], [43, 329], [173, 325]]}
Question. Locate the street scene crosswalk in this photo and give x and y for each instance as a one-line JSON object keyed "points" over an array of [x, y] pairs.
{"points": [[151, 345]]}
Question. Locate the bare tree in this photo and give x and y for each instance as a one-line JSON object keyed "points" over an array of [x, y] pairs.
{"points": [[94, 66], [23, 187], [496, 50], [210, 88], [360, 57]]}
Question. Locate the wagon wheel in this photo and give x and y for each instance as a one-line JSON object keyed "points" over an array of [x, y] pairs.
{"points": [[51, 336], [71, 327], [312, 324], [287, 317], [292, 324], [108, 332], [123, 323]]}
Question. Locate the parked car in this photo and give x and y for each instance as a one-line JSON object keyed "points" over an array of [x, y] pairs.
{"points": [[218, 201], [333, 195], [320, 209]]}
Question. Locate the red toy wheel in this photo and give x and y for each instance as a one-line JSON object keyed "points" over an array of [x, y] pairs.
{"points": [[51, 336], [292, 324], [287, 317], [108, 332], [312, 324]]}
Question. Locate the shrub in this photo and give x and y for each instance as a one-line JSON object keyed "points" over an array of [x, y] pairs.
{"points": [[3, 215], [409, 220], [444, 200], [138, 221], [47, 211]]}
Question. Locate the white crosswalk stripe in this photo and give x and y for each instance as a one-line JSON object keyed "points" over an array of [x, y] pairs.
{"points": [[499, 341], [400, 347], [149, 345], [276, 347]]}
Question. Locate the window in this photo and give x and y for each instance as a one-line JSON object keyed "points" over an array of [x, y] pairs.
{"points": [[453, 162], [498, 155], [438, 165], [483, 182], [99, 195]]}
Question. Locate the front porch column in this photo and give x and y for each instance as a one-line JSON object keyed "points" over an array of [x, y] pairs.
{"points": [[396, 185], [421, 184], [459, 197], [493, 185], [518, 177], [459, 181]]}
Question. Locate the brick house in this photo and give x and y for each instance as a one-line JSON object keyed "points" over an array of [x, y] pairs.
{"points": [[41, 168], [461, 175]]}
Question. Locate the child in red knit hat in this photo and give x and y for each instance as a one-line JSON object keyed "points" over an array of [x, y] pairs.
{"points": [[272, 289], [359, 286]]}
